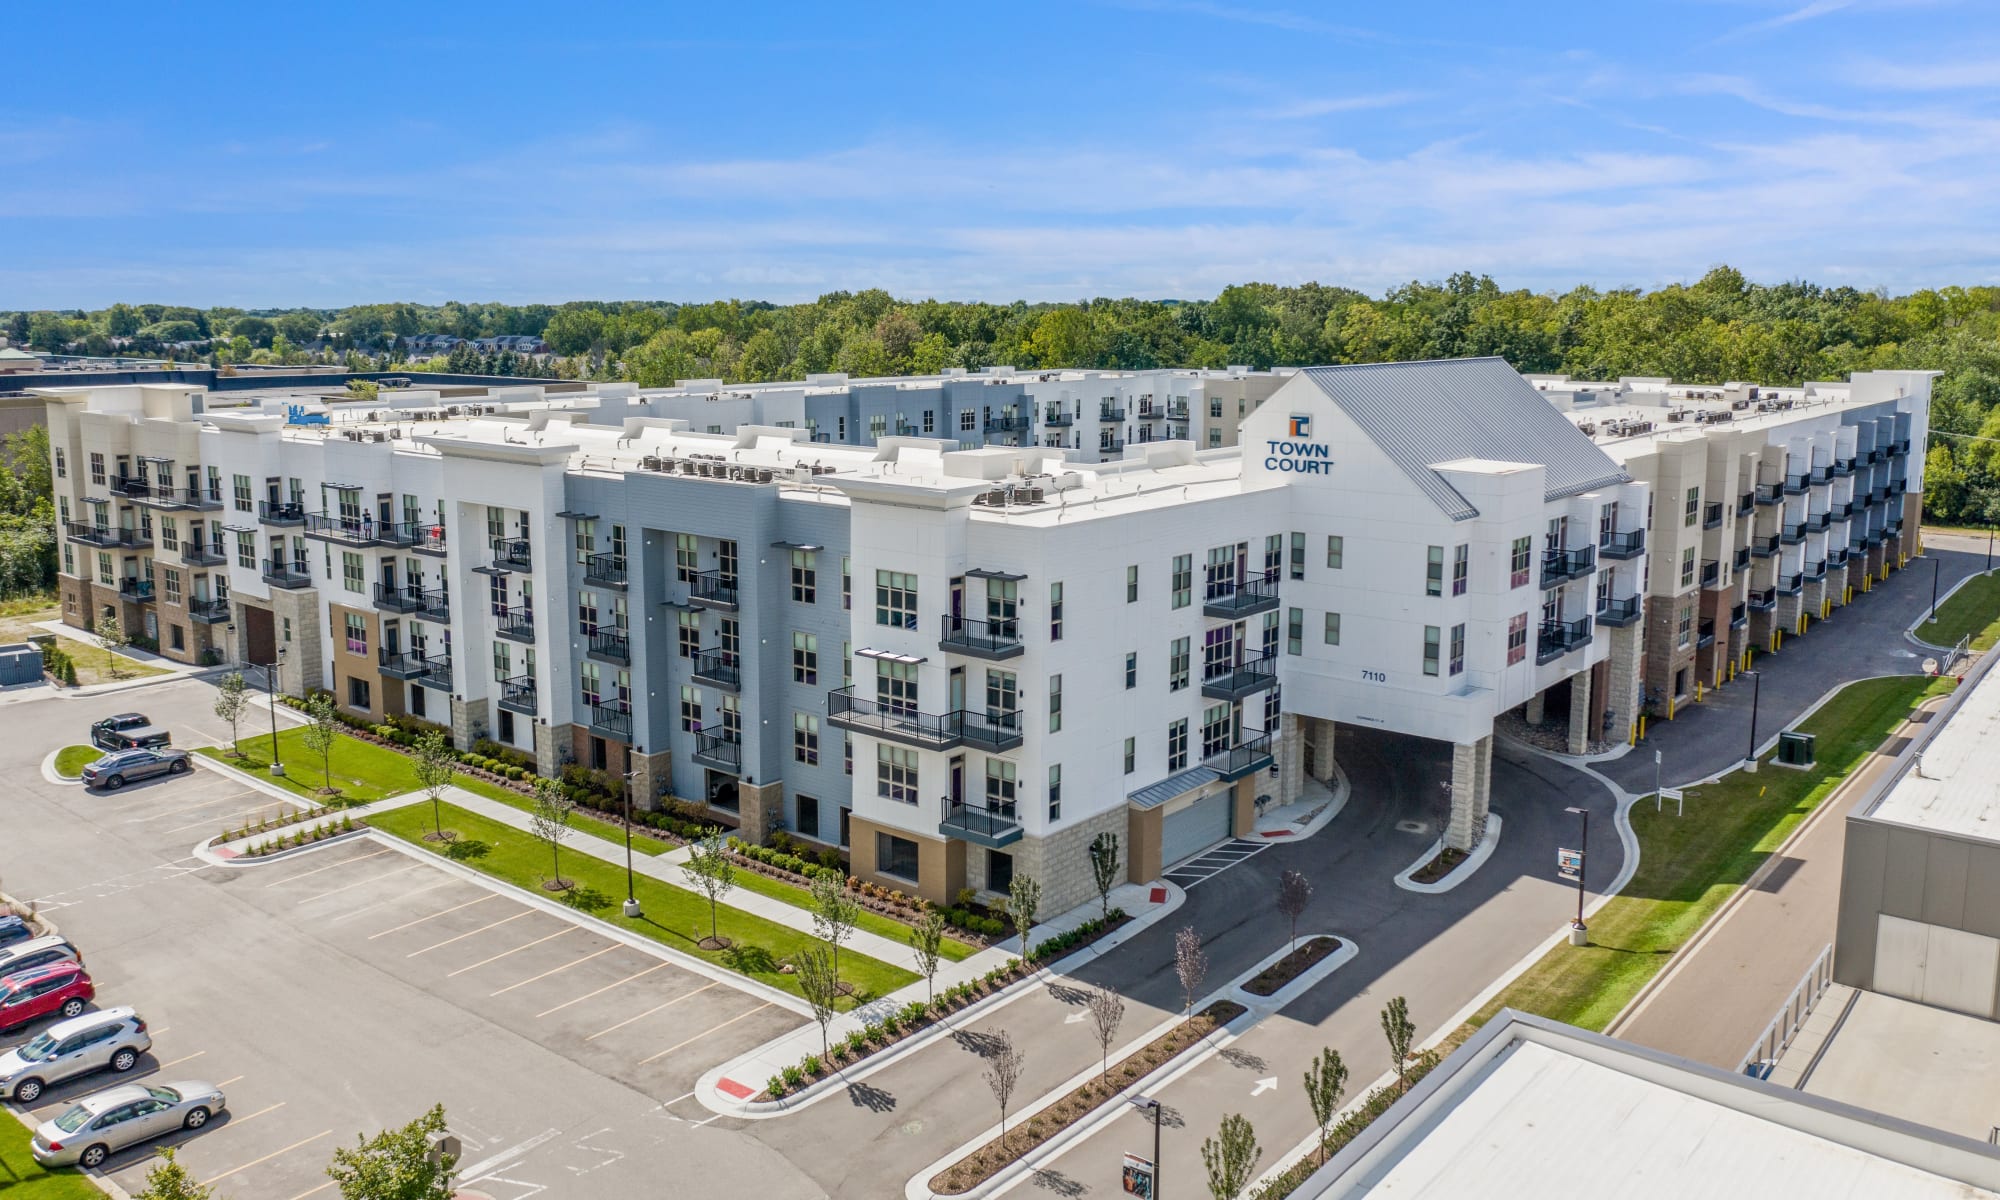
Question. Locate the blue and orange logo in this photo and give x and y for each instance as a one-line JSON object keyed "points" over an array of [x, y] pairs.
{"points": [[1301, 426]]}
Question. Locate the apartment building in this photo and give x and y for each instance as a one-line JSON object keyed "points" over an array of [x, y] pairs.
{"points": [[956, 662]]}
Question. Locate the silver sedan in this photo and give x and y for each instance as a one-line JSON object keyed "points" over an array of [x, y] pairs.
{"points": [[96, 1127]]}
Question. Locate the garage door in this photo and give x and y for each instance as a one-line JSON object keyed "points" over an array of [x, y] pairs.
{"points": [[1195, 828], [1931, 964]]}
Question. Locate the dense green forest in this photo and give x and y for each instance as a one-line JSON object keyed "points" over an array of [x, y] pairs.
{"points": [[1718, 329]]}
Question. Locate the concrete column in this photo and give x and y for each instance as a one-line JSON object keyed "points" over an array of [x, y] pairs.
{"points": [[654, 777], [1321, 732], [1582, 713], [1291, 755], [1471, 791], [305, 654], [759, 809], [1536, 704], [548, 749], [468, 722], [1626, 671]]}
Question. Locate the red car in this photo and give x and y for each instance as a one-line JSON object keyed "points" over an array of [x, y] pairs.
{"points": [[57, 989]]}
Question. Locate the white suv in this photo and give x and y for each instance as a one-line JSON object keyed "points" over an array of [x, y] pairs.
{"points": [[112, 1038]]}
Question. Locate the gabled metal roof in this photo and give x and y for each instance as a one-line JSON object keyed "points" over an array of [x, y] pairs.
{"points": [[1422, 413], [1178, 784]]}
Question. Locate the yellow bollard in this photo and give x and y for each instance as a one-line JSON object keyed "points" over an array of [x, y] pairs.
{"points": [[1697, 691], [1642, 727], [1632, 733], [1670, 708]]}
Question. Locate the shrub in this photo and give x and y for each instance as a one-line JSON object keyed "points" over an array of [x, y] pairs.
{"points": [[793, 1077], [810, 1066], [776, 1085]]}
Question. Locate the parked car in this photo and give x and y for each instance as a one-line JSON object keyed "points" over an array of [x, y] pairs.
{"points": [[59, 988], [37, 952], [114, 771], [14, 929], [101, 732], [112, 1038], [95, 1127]]}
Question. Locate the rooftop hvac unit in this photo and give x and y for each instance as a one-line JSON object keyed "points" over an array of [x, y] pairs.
{"points": [[764, 475], [1587, 429], [996, 498], [1031, 495], [452, 410], [704, 469], [650, 462]]}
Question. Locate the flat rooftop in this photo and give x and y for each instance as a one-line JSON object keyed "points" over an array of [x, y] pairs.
{"points": [[1954, 786], [1905, 1059]]}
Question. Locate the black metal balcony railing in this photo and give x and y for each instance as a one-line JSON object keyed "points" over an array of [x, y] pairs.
{"points": [[281, 514], [1769, 493], [1007, 423], [1836, 556], [1177, 412], [612, 720], [399, 597], [1226, 596], [606, 570], [1793, 533], [349, 530], [1898, 487], [437, 671], [1111, 445], [991, 730], [109, 536], [519, 694], [1818, 521], [131, 487], [513, 553], [1843, 467], [1902, 447], [980, 638], [517, 624], [437, 604], [1745, 503], [209, 611], [1711, 573], [1764, 547], [1244, 758], [721, 751], [720, 668], [1795, 484], [1560, 637], [401, 664], [1739, 615], [1057, 418], [1895, 528], [137, 591], [280, 573], [1617, 612], [1559, 566], [1108, 412], [1821, 475], [1704, 635], [1622, 544], [611, 644], [993, 828], [1711, 516], [427, 539], [713, 589], [1793, 584], [1763, 599], [1234, 680], [1742, 558], [203, 554], [1816, 569]]}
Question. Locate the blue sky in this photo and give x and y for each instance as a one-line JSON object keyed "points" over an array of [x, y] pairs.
{"points": [[310, 154]]}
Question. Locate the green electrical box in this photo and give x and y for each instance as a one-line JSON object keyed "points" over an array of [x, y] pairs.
{"points": [[1796, 749]]}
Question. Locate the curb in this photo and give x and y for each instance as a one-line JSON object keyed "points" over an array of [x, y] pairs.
{"points": [[207, 852], [48, 927], [1910, 630], [50, 775], [1458, 874]]}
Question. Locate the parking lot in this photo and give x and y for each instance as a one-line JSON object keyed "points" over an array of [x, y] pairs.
{"points": [[344, 990]]}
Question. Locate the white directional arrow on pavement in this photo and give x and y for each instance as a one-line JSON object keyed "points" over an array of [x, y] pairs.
{"points": [[1265, 1085], [1074, 1018]]}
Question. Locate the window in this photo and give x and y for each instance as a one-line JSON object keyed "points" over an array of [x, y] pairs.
{"points": [[1461, 569], [846, 584], [805, 658], [170, 534], [1298, 556], [895, 855], [1434, 572], [1215, 408], [1000, 788], [1215, 724], [350, 572], [878, 425], [930, 421], [357, 693], [896, 686], [62, 464], [69, 564], [1055, 791], [1131, 669], [1333, 629], [1295, 630], [1517, 638], [725, 568], [1177, 733], [808, 820], [1431, 649], [896, 599], [1519, 564], [1055, 612], [240, 491], [586, 540], [1179, 652], [104, 568], [1457, 666], [690, 709], [96, 468], [896, 773], [1274, 554], [966, 420], [1693, 513], [686, 560], [1131, 755], [1684, 626], [688, 635], [246, 550], [1336, 550], [805, 739], [1055, 704], [357, 633], [1183, 580], [1687, 566], [1003, 693], [586, 613], [846, 761], [805, 577], [591, 683], [1132, 584], [617, 541]]}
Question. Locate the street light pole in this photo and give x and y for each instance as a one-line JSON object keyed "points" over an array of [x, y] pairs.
{"points": [[1149, 1104], [631, 901], [1577, 927], [1935, 564], [1756, 692], [271, 694]]}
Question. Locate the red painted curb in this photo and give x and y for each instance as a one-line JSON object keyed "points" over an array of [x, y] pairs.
{"points": [[733, 1088]]}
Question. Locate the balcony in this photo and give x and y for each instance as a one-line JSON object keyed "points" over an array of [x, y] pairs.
{"points": [[400, 664], [1177, 412], [1875, 455], [1821, 475], [1109, 412], [200, 554], [1711, 516], [1224, 597], [428, 539], [1058, 419], [1768, 493], [1902, 447], [605, 570], [1704, 635], [1843, 467], [1739, 615], [399, 597], [1745, 503], [1874, 538], [159, 494], [713, 589], [1711, 574], [993, 828], [1111, 446], [1764, 600], [1619, 612], [612, 720], [610, 645], [1007, 423], [1764, 547], [1560, 637], [719, 668], [131, 487], [1742, 558], [1238, 761], [1898, 487], [1815, 522], [975, 638], [209, 612], [517, 625], [437, 672], [1622, 544], [134, 590], [995, 730], [721, 751], [1560, 566], [1894, 529], [1836, 557], [437, 604], [109, 536], [354, 530], [281, 515], [294, 574], [1227, 681], [519, 695], [1796, 484], [512, 554], [1791, 585], [1793, 534], [1816, 570]]}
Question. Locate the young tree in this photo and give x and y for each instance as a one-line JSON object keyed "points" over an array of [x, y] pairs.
{"points": [[436, 767], [1003, 1075], [111, 632], [549, 821], [168, 1180], [232, 697], [1191, 965], [1230, 1156], [709, 871], [1400, 1030], [396, 1164], [819, 983], [1295, 891], [1024, 896], [834, 912], [1326, 1081], [927, 943], [1104, 868], [1106, 1011], [321, 729]]}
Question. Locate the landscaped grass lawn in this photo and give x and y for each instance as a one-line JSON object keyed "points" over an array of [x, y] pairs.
{"points": [[581, 821], [1973, 609], [21, 1179], [71, 760], [97, 665], [361, 770], [673, 917], [1690, 865]]}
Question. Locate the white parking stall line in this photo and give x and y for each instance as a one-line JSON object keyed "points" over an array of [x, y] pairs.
{"points": [[362, 883], [509, 953], [554, 970], [607, 987], [420, 920], [649, 1012], [397, 899], [470, 932], [175, 812], [704, 1033], [331, 866]]}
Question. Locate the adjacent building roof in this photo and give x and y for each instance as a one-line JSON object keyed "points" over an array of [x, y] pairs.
{"points": [[1955, 786], [1425, 413]]}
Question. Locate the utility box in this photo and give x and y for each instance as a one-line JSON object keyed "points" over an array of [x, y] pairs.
{"points": [[1796, 749]]}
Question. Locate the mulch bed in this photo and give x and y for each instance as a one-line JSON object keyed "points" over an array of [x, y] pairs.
{"points": [[1290, 967], [1439, 867], [1038, 1127]]}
